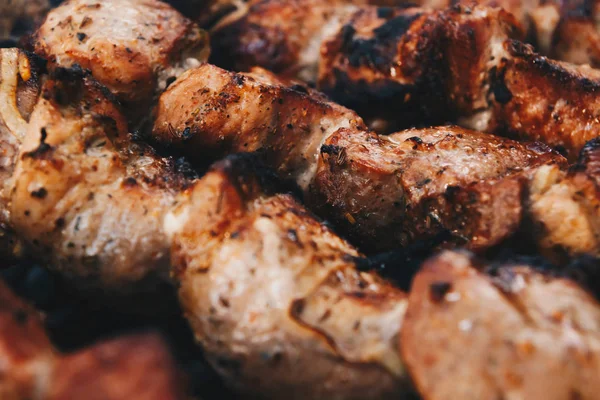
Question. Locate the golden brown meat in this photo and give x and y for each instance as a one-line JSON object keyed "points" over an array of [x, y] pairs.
{"points": [[385, 191], [516, 334], [135, 367], [134, 47], [86, 197], [276, 299]]}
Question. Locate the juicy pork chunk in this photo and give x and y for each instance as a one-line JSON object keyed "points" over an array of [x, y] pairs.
{"points": [[276, 299], [414, 65], [385, 191], [134, 47], [79, 190], [513, 333], [128, 368]]}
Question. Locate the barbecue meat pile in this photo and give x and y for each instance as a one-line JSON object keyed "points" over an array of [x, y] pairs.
{"points": [[344, 199]]}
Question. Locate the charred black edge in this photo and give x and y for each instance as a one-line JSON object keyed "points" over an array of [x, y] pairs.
{"points": [[583, 270], [551, 68], [401, 265], [586, 155], [249, 169], [75, 75]]}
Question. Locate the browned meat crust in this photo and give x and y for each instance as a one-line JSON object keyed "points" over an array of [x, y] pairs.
{"points": [[541, 99], [412, 185], [135, 367], [385, 191], [81, 192], [468, 335], [131, 46], [413, 65], [276, 299]]}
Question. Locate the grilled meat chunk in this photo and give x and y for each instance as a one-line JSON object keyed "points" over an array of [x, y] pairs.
{"points": [[275, 297], [385, 191], [135, 367], [518, 333], [134, 47], [536, 98], [415, 184], [411, 65], [86, 197]]}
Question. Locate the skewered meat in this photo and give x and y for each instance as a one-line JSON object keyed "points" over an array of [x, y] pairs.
{"points": [[84, 195], [519, 333], [389, 190], [134, 367], [134, 47], [275, 298], [411, 65]]}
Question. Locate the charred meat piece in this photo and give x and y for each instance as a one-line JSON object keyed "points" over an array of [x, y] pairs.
{"points": [[517, 332], [411, 65], [275, 298], [384, 63], [134, 47], [84, 195], [536, 98], [415, 184], [385, 191], [134, 367]]}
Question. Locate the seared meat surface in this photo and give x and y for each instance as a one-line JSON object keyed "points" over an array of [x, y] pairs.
{"points": [[517, 332], [385, 191], [131, 46], [412, 66], [134, 367], [276, 299], [83, 194]]}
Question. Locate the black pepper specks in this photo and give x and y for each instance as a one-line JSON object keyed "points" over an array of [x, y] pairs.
{"points": [[40, 193], [438, 290]]}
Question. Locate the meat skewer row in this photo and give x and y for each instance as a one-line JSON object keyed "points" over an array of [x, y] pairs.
{"points": [[133, 47], [96, 188], [410, 65], [512, 332], [266, 288], [133, 367], [250, 294], [385, 191], [561, 29]]}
